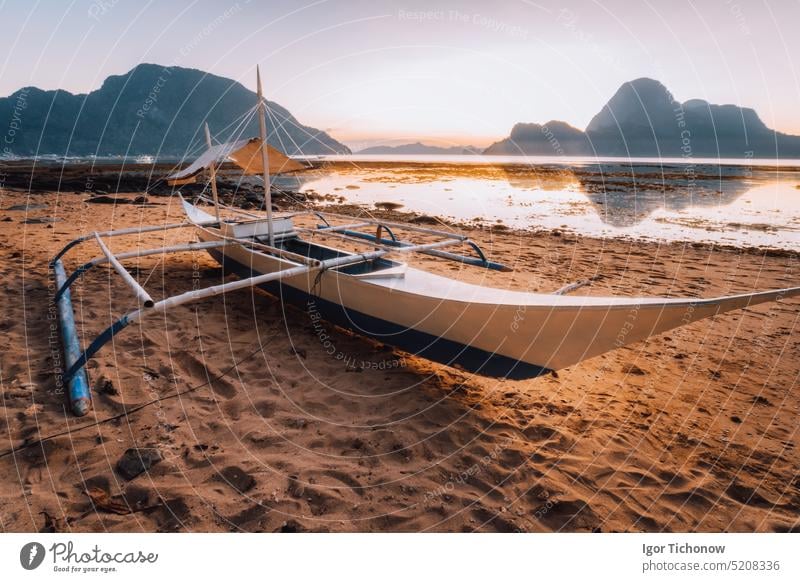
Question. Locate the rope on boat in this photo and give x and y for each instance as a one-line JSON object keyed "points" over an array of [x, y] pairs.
{"points": [[241, 122], [316, 287]]}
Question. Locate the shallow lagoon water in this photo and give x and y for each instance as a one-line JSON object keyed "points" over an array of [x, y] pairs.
{"points": [[727, 204]]}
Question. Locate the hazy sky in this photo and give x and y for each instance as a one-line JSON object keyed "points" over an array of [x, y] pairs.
{"points": [[463, 72]]}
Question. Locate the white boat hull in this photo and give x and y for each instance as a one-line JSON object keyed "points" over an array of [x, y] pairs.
{"points": [[494, 332]]}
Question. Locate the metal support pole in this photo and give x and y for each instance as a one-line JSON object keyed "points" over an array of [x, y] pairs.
{"points": [[262, 126], [212, 168], [193, 246], [142, 295], [123, 232]]}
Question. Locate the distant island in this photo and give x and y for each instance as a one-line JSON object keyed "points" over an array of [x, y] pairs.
{"points": [[151, 109], [411, 149], [643, 119]]}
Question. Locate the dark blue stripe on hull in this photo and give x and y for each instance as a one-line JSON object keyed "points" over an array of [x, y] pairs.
{"points": [[413, 341]]}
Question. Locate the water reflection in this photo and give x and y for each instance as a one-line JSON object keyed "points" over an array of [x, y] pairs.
{"points": [[730, 205], [625, 195]]}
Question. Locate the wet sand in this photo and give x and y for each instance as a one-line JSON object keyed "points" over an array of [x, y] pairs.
{"points": [[262, 428]]}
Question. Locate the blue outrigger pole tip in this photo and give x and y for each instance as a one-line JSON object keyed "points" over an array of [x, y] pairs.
{"points": [[80, 397]]}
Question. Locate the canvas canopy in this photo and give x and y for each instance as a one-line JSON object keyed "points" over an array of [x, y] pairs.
{"points": [[244, 153]]}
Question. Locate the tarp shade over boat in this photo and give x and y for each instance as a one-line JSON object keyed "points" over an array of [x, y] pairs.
{"points": [[245, 153]]}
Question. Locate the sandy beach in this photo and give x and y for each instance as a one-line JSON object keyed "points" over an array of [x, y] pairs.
{"points": [[263, 419]]}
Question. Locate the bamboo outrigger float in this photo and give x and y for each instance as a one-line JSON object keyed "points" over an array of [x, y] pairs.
{"points": [[489, 331]]}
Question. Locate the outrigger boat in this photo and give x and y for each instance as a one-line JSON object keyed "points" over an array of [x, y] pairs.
{"points": [[489, 331]]}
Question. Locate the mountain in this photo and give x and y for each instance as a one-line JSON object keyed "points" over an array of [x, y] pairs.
{"points": [[151, 109], [419, 149], [550, 139], [643, 119]]}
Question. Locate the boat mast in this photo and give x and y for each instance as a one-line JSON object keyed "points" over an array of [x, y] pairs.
{"points": [[213, 170], [262, 123]]}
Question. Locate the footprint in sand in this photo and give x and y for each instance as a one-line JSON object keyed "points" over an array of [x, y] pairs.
{"points": [[201, 373], [347, 479], [568, 515]]}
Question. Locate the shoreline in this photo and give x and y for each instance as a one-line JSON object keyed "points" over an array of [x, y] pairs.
{"points": [[121, 180]]}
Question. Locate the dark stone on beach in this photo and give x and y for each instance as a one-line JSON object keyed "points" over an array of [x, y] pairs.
{"points": [[422, 219], [8, 219], [736, 419], [388, 205], [105, 386], [291, 526], [254, 197], [117, 200], [41, 220], [108, 200], [633, 370], [238, 479], [27, 207], [136, 461]]}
